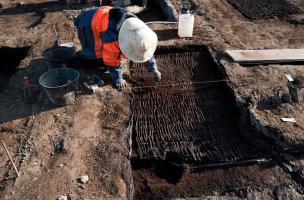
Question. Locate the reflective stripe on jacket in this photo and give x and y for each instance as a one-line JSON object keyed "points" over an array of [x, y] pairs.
{"points": [[100, 36]]}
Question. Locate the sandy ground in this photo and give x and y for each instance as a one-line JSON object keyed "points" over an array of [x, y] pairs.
{"points": [[92, 131], [58, 145]]}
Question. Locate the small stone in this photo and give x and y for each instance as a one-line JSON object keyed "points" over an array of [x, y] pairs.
{"points": [[61, 165], [19, 4], [83, 179], [62, 197]]}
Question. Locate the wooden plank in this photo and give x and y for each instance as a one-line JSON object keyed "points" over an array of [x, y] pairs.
{"points": [[267, 56]]}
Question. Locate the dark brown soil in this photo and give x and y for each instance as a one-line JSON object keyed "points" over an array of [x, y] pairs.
{"points": [[265, 9], [93, 129], [188, 121], [235, 183], [10, 59]]}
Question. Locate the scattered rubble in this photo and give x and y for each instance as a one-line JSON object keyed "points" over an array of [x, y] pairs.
{"points": [[83, 179], [61, 165], [62, 197]]}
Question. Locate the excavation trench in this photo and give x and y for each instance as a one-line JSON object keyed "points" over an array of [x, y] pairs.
{"points": [[187, 120], [10, 59]]}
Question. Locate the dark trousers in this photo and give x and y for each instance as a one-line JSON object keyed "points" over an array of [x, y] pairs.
{"points": [[166, 6]]}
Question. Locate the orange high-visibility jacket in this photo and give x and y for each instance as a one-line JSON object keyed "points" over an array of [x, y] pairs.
{"points": [[98, 30]]}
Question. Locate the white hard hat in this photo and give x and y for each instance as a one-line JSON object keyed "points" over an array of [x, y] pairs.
{"points": [[136, 40]]}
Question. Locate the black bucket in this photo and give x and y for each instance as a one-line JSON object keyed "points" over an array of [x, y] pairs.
{"points": [[57, 56], [60, 85]]}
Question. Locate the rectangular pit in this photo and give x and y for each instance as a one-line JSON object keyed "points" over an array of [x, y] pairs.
{"points": [[183, 120], [265, 9], [184, 131]]}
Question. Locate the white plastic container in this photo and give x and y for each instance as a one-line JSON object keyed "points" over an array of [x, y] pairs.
{"points": [[185, 25]]}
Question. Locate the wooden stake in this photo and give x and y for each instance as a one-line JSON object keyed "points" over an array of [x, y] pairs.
{"points": [[9, 155]]}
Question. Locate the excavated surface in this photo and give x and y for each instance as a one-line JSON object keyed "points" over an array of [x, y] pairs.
{"points": [[190, 122], [248, 182], [96, 145], [265, 9]]}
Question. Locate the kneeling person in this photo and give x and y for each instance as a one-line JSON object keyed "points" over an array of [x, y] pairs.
{"points": [[114, 34]]}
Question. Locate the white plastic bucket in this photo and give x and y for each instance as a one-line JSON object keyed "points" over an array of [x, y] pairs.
{"points": [[185, 25]]}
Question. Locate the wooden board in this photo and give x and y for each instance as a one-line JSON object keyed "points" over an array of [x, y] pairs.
{"points": [[267, 56]]}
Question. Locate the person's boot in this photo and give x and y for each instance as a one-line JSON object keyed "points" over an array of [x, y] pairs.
{"points": [[121, 3]]}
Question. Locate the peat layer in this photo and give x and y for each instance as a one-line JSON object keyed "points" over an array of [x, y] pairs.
{"points": [[184, 119]]}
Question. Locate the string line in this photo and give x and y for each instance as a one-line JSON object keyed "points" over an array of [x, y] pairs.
{"points": [[176, 84]]}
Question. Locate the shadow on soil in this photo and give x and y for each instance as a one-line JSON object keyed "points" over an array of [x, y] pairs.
{"points": [[168, 34], [40, 16], [50, 6], [16, 105], [10, 59], [154, 14]]}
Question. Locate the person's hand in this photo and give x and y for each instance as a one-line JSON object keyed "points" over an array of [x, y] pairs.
{"points": [[152, 68], [120, 84], [157, 75]]}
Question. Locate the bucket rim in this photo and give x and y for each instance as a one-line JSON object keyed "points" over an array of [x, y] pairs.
{"points": [[48, 50], [61, 69]]}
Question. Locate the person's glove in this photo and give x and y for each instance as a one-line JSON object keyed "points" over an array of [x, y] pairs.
{"points": [[152, 68], [120, 83], [157, 75], [117, 77]]}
